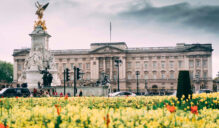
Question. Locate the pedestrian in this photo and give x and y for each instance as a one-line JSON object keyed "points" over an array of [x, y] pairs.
{"points": [[34, 92], [47, 94], [80, 93], [61, 95]]}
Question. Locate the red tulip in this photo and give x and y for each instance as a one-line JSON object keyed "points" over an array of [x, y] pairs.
{"points": [[107, 120], [66, 97], [171, 108], [3, 126], [194, 109], [58, 108]]}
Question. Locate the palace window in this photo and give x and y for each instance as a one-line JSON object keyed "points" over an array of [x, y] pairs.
{"points": [[162, 75], [162, 64], [171, 75], [108, 64], [129, 65], [145, 65], [101, 64], [191, 63], [72, 66], [137, 66], [129, 75], [171, 64], [154, 75], [204, 63], [64, 66], [145, 75], [205, 74], [19, 67], [154, 64], [197, 73], [80, 65], [87, 65], [180, 64], [198, 63]]}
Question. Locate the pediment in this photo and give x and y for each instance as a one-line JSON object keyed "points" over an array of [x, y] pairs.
{"points": [[21, 52], [107, 49], [199, 48]]}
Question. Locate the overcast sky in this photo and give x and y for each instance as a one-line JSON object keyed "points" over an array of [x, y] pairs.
{"points": [[74, 24]]}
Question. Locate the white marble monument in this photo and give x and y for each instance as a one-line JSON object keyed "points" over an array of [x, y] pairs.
{"points": [[39, 57]]}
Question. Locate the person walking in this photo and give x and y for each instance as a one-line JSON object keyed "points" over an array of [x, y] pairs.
{"points": [[34, 92], [80, 93]]}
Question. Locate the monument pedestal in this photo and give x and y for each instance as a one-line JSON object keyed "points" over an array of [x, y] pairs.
{"points": [[38, 60]]}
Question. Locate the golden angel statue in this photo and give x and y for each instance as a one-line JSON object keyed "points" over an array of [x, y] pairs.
{"points": [[40, 9]]}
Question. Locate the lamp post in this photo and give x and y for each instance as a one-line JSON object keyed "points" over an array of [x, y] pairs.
{"points": [[137, 74], [117, 62], [146, 87]]}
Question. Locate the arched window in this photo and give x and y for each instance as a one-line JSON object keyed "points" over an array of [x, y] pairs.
{"points": [[129, 75], [145, 75], [163, 75], [171, 74], [154, 87]]}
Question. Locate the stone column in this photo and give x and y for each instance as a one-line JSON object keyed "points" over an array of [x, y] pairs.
{"points": [[111, 68], [186, 63], [210, 83], [210, 66], [97, 69], [15, 71], [104, 64]]}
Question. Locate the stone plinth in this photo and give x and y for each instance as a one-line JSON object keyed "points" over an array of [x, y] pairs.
{"points": [[39, 59]]}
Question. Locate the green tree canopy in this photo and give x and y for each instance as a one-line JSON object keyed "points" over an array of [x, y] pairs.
{"points": [[184, 85], [6, 72]]}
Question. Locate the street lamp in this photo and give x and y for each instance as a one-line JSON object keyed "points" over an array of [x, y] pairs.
{"points": [[137, 74], [146, 87], [117, 62]]}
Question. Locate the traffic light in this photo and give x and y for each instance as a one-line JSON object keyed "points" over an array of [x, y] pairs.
{"points": [[67, 74], [78, 73]]}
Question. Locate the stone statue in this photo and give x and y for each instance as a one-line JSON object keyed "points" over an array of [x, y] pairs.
{"points": [[47, 78], [40, 9]]}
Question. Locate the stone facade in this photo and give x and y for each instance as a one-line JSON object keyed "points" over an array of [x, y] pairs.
{"points": [[158, 66]]}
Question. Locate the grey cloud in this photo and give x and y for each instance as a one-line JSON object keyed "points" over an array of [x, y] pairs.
{"points": [[199, 17]]}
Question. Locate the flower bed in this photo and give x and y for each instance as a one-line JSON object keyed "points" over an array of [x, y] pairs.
{"points": [[99, 112]]}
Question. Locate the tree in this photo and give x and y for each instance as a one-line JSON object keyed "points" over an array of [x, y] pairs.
{"points": [[184, 85], [6, 72]]}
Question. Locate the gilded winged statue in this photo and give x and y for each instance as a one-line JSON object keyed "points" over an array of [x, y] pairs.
{"points": [[40, 9]]}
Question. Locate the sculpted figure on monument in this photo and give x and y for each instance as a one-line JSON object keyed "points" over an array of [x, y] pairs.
{"points": [[40, 9], [47, 78]]}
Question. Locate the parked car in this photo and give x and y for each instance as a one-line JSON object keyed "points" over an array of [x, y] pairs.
{"points": [[174, 93], [121, 94], [12, 92], [204, 91]]}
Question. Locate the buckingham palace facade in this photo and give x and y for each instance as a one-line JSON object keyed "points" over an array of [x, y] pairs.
{"points": [[158, 66]]}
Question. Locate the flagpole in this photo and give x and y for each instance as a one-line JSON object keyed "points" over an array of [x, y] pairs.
{"points": [[110, 30]]}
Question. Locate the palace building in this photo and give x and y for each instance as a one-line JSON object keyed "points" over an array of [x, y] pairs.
{"points": [[158, 66]]}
